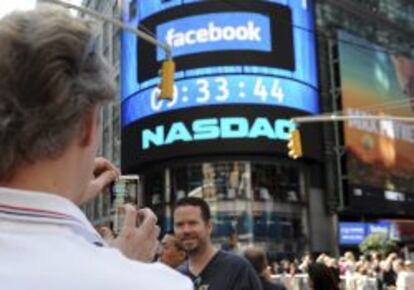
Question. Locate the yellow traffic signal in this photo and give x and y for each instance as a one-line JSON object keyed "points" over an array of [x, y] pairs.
{"points": [[295, 145], [167, 80]]}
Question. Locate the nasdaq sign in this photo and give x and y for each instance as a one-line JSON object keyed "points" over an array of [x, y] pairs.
{"points": [[243, 71], [216, 128]]}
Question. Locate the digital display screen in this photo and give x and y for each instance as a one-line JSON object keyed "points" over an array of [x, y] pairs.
{"points": [[379, 160], [220, 90], [243, 69], [255, 52], [354, 233], [228, 31]]}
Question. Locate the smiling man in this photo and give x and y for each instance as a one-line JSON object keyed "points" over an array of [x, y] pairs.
{"points": [[208, 267]]}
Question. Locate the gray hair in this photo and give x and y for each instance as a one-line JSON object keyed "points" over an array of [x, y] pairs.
{"points": [[51, 77]]}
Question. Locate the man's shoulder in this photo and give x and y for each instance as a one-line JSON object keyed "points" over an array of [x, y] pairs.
{"points": [[158, 276], [183, 268], [170, 278], [239, 271], [119, 272], [231, 258]]}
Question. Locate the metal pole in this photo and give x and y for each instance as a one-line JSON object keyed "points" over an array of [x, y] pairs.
{"points": [[117, 23], [333, 118], [333, 61]]}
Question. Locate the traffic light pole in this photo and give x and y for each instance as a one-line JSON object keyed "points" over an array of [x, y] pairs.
{"points": [[336, 118]]}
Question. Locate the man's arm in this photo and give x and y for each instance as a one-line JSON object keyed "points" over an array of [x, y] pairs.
{"points": [[135, 242]]}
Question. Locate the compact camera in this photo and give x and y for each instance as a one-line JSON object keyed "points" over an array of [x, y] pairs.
{"points": [[123, 191]]}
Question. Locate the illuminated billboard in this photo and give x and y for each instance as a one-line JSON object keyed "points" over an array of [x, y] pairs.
{"points": [[380, 155], [243, 69], [354, 233]]}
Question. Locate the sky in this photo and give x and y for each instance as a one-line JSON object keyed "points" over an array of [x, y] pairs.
{"points": [[7, 6]]}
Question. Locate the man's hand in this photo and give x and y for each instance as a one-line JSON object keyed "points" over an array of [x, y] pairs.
{"points": [[138, 243], [104, 174], [106, 234]]}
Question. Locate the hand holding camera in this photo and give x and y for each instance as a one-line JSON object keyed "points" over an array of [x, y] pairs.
{"points": [[138, 242], [137, 229]]}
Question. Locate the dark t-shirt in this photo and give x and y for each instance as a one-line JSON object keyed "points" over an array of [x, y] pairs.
{"points": [[267, 285], [389, 278], [225, 271]]}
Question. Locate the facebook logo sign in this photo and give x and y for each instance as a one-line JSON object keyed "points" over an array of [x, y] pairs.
{"points": [[216, 32]]}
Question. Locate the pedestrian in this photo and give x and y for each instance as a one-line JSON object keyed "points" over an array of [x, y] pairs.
{"points": [[208, 267], [259, 262], [53, 85], [171, 251], [321, 277], [405, 277]]}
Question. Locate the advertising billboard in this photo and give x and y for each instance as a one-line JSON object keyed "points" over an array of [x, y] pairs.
{"points": [[243, 69], [375, 82], [353, 233]]}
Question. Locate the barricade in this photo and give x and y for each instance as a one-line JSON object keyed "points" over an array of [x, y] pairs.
{"points": [[300, 282]]}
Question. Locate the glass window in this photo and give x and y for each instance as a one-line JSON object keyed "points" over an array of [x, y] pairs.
{"points": [[154, 188], [154, 197], [275, 182], [211, 180], [273, 218]]}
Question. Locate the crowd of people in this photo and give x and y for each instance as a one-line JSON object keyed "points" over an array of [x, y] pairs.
{"points": [[372, 272]]}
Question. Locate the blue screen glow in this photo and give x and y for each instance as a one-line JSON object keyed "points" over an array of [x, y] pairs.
{"points": [[353, 233], [220, 85], [215, 32], [226, 89]]}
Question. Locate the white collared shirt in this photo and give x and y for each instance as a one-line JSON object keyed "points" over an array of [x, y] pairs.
{"points": [[46, 242]]}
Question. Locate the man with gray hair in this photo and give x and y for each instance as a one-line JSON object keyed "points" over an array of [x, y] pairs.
{"points": [[53, 84]]}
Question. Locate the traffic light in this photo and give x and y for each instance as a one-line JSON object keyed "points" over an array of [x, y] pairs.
{"points": [[167, 80], [295, 145]]}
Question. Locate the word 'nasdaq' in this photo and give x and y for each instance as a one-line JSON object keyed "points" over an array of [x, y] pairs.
{"points": [[217, 128]]}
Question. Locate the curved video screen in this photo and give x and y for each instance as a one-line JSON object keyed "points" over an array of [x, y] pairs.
{"points": [[244, 68], [252, 52]]}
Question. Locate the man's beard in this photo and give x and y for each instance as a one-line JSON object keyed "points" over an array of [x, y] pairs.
{"points": [[194, 250]]}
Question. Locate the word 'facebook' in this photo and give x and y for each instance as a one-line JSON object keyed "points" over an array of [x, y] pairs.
{"points": [[213, 33], [216, 32]]}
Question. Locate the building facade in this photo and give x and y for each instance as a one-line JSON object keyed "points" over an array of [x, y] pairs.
{"points": [[367, 69], [254, 189], [223, 137], [100, 211]]}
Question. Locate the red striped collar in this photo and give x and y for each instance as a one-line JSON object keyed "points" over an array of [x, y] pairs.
{"points": [[45, 208], [34, 212]]}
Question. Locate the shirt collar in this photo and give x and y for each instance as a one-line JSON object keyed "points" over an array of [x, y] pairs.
{"points": [[50, 208]]}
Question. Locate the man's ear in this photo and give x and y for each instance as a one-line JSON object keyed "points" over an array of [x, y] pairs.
{"points": [[89, 128], [209, 225]]}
